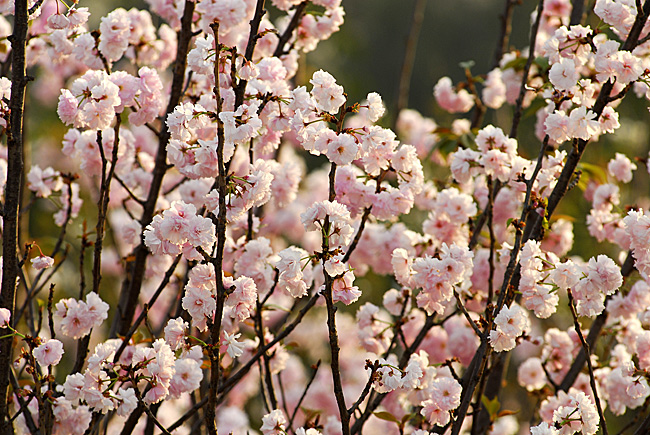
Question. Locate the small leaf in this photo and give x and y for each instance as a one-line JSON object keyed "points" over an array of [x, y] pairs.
{"points": [[598, 173], [383, 415], [492, 406], [468, 64], [138, 337], [506, 412]]}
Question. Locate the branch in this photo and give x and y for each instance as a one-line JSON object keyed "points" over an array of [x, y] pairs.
{"points": [[217, 261], [577, 11], [594, 332], [12, 198], [504, 32], [143, 314], [135, 271], [524, 80], [585, 346], [409, 56], [304, 393], [286, 35], [231, 381]]}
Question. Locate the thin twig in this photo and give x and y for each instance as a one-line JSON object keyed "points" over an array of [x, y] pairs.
{"points": [[585, 346], [304, 393]]}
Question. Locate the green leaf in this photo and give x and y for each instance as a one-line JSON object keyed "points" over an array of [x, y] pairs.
{"points": [[541, 62], [517, 64], [468, 64], [383, 415], [595, 171], [492, 406]]}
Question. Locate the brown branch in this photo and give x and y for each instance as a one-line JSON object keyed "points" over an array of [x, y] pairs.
{"points": [[143, 314], [217, 260], [231, 381], [102, 207], [409, 56], [253, 36], [504, 31], [10, 225], [535, 230], [524, 80], [374, 402], [304, 393], [577, 11], [594, 332], [373, 369], [585, 346], [135, 270], [286, 35]]}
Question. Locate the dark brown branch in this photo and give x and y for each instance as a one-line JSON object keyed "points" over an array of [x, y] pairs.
{"points": [[373, 369], [409, 56], [286, 35], [373, 403], [304, 393], [29, 420], [12, 198], [143, 314], [577, 11], [594, 332], [504, 31], [102, 207], [524, 80], [217, 261], [253, 36], [135, 270], [231, 381], [585, 346], [534, 231]]}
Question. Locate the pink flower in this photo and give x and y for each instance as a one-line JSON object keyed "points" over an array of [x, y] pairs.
{"points": [[187, 377], [557, 126], [235, 349], [376, 107], [344, 291], [494, 91], [327, 94], [42, 262], [582, 123], [5, 317], [531, 374], [449, 100], [564, 75], [273, 423], [49, 353], [58, 21], [44, 181], [620, 167], [243, 298], [175, 332], [342, 150], [200, 303]]}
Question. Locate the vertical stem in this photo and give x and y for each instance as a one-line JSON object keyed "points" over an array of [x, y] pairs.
{"points": [[577, 11], [135, 270], [409, 56], [102, 207], [12, 199], [295, 20], [585, 346], [504, 35], [215, 328], [531, 56]]}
